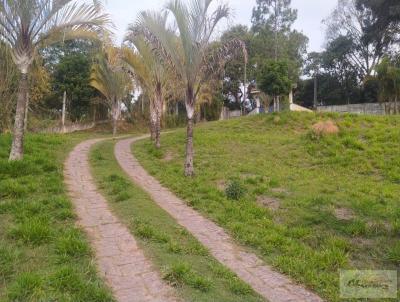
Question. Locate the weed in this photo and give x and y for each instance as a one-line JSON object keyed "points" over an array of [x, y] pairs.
{"points": [[235, 190]]}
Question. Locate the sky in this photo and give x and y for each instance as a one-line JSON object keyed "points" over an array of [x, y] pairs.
{"points": [[311, 13]]}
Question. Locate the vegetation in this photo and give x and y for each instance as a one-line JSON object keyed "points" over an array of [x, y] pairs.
{"points": [[313, 204], [44, 256], [28, 25], [190, 54], [109, 78], [183, 261], [274, 80]]}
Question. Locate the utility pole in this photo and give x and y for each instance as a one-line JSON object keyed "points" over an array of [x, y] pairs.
{"points": [[63, 111], [315, 92]]}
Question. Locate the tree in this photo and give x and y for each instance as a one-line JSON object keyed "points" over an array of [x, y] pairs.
{"points": [[235, 71], [69, 64], [335, 61], [273, 36], [385, 20], [8, 87], [26, 26], [276, 15], [274, 79], [389, 80], [109, 78], [349, 21], [193, 59], [152, 74], [313, 68]]}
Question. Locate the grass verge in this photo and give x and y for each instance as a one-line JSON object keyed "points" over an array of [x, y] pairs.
{"points": [[309, 205], [183, 261], [43, 255]]}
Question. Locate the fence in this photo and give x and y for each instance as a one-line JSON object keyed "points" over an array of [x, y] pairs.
{"points": [[72, 128], [367, 108]]}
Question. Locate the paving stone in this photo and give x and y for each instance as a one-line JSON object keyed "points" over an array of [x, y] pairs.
{"points": [[123, 265]]}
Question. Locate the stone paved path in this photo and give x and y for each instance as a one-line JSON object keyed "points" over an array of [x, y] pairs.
{"points": [[270, 284], [122, 264]]}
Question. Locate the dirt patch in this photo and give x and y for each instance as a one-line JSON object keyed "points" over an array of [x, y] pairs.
{"points": [[363, 242], [279, 191], [344, 214], [169, 156], [271, 203], [325, 128], [221, 185], [248, 175]]}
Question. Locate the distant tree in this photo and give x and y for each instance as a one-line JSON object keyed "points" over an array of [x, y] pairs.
{"points": [[385, 20], [335, 61], [274, 37], [389, 79], [313, 69], [72, 75], [348, 22], [235, 70], [109, 78], [274, 79], [276, 15]]}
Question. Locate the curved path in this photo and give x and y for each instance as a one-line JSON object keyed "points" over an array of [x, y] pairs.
{"points": [[122, 264], [272, 285]]}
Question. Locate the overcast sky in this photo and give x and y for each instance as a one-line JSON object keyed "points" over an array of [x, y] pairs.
{"points": [[310, 15]]}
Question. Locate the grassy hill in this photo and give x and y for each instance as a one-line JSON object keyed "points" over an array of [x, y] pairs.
{"points": [[44, 256], [308, 205]]}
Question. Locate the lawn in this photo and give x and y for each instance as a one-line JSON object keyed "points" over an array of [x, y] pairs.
{"points": [[307, 205], [182, 260], [43, 255]]}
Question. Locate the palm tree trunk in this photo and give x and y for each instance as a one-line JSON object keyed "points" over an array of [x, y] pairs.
{"points": [[17, 147], [115, 118], [158, 133], [189, 163], [26, 113], [153, 121], [159, 113], [189, 167]]}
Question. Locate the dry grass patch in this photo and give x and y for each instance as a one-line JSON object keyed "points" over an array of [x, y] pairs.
{"points": [[169, 156], [221, 185], [344, 214], [271, 203], [325, 128]]}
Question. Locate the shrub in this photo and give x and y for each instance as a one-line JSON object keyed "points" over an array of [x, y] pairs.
{"points": [[235, 190]]}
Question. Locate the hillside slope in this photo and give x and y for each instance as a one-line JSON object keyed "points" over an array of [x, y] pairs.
{"points": [[310, 206]]}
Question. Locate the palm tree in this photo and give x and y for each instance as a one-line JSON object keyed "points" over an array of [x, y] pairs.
{"points": [[152, 74], [195, 58], [109, 78], [27, 25]]}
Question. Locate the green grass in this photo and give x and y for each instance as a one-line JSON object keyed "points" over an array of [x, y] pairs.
{"points": [[43, 255], [356, 171], [183, 261]]}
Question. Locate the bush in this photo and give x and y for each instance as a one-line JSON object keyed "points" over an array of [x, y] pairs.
{"points": [[235, 190]]}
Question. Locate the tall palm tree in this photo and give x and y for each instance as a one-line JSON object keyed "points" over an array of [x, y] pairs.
{"points": [[109, 78], [197, 58], [27, 25], [152, 74]]}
